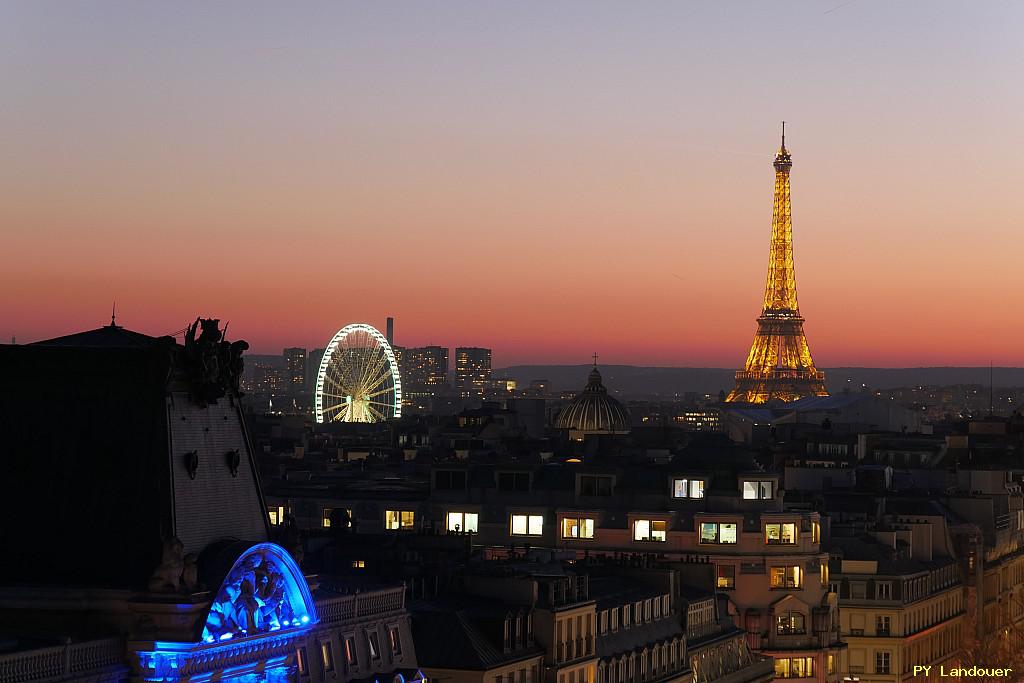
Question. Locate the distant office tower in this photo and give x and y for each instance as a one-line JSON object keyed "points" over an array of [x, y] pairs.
{"points": [[424, 369], [472, 370], [313, 367], [295, 363], [390, 334]]}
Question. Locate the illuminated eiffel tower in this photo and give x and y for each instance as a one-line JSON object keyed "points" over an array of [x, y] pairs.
{"points": [[779, 366]]}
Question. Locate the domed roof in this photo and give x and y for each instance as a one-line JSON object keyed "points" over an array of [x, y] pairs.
{"points": [[593, 411]]}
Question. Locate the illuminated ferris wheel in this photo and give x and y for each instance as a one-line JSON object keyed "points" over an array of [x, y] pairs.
{"points": [[358, 379]]}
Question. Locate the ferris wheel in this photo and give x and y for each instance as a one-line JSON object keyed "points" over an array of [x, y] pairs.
{"points": [[358, 379]]}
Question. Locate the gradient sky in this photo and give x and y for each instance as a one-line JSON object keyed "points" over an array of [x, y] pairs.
{"points": [[548, 179]]}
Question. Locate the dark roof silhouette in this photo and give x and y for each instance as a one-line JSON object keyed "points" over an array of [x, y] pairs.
{"points": [[110, 336]]}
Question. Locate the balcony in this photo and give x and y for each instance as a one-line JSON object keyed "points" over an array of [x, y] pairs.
{"points": [[62, 662], [371, 603]]}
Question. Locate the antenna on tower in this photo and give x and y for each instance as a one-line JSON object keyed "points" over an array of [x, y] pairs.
{"points": [[113, 313], [783, 135]]}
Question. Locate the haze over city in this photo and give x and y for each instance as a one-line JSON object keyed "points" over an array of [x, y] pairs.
{"points": [[545, 180]]}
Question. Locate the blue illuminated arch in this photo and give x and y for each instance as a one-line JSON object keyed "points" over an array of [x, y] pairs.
{"points": [[264, 592]]}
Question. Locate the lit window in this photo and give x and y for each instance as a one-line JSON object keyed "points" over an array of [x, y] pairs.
{"points": [[726, 576], [300, 660], [795, 667], [782, 534], [687, 488], [374, 643], [276, 515], [815, 532], [527, 525], [350, 650], [399, 519], [463, 521], [577, 527], [714, 532], [785, 577], [650, 530], [326, 656], [790, 623], [758, 490], [358, 564], [327, 518]]}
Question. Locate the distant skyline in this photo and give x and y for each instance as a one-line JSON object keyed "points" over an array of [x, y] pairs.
{"points": [[544, 179]]}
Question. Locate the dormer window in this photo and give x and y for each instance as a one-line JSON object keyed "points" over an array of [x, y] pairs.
{"points": [[650, 530], [514, 481], [593, 485], [527, 525], [687, 488], [759, 490]]}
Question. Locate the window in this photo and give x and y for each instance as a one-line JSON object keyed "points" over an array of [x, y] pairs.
{"points": [[823, 571], [883, 625], [527, 525], [726, 576], [627, 610], [650, 530], [513, 481], [603, 621], [326, 657], [276, 515], [794, 667], [591, 485], [758, 490], [883, 590], [350, 651], [450, 480], [399, 519], [882, 661], [329, 512], [374, 643], [687, 488], [358, 564], [785, 577], [615, 618], [831, 664], [714, 532], [396, 640], [462, 521], [577, 527], [300, 661], [790, 623], [815, 532], [780, 534]]}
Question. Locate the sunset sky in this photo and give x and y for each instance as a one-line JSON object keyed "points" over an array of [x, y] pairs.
{"points": [[548, 179]]}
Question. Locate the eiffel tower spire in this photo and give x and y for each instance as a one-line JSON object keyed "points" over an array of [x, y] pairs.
{"points": [[779, 365]]}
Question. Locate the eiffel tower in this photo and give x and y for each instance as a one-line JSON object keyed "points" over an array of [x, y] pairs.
{"points": [[779, 365]]}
